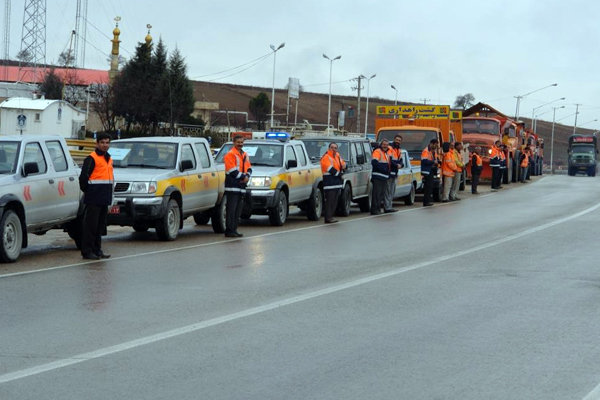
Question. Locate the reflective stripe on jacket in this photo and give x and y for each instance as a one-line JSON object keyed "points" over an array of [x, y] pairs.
{"points": [[395, 160], [381, 165], [495, 157], [332, 167], [237, 167]]}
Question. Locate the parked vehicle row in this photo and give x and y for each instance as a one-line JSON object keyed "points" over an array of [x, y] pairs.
{"points": [[161, 181]]}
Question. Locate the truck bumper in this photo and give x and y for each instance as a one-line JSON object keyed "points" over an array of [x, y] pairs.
{"points": [[126, 211], [262, 199]]}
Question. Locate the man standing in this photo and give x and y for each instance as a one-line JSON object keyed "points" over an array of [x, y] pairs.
{"points": [[458, 160], [96, 183], [429, 165], [503, 166], [448, 171], [395, 153], [237, 175], [495, 164], [524, 163], [332, 167], [379, 175], [476, 168]]}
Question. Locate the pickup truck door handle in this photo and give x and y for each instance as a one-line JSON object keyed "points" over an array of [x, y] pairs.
{"points": [[51, 181], [213, 174], [299, 172], [200, 176], [71, 178]]}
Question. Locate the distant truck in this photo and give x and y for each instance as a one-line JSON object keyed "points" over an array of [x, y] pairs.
{"points": [[39, 191], [583, 154]]}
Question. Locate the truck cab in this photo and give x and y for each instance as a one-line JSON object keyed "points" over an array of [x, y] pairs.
{"points": [[583, 154]]}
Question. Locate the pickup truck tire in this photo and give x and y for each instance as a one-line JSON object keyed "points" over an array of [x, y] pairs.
{"points": [[364, 203], [167, 228], [278, 214], [218, 216], [409, 199], [11, 234], [75, 231], [201, 218], [343, 209], [315, 205]]}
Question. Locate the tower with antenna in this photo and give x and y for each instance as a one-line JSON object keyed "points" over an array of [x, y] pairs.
{"points": [[33, 40], [80, 34]]}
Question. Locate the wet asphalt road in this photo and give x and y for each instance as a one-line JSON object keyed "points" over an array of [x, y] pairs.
{"points": [[492, 297]]}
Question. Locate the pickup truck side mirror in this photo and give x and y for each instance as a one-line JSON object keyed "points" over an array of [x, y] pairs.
{"points": [[185, 165], [291, 164], [360, 159], [30, 168]]}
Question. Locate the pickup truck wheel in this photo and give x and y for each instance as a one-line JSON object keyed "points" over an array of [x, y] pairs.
{"points": [[315, 205], [409, 199], [364, 203], [201, 218], [11, 233], [278, 214], [343, 209], [74, 230], [140, 227], [167, 228], [218, 216]]}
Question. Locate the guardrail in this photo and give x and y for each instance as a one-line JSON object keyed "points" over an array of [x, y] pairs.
{"points": [[80, 148]]}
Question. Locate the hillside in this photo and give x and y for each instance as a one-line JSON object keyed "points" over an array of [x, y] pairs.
{"points": [[313, 108]]}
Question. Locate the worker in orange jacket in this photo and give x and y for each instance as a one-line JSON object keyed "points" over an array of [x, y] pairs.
{"points": [[495, 164], [237, 175], [476, 168], [524, 163], [379, 175], [448, 170], [458, 160], [332, 166], [395, 153]]}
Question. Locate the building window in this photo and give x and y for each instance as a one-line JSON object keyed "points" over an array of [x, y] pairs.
{"points": [[37, 117]]}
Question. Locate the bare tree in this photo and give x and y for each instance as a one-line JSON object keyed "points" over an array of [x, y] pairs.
{"points": [[465, 101]]}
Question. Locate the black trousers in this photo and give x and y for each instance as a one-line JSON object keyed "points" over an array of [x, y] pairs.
{"points": [[496, 175], [427, 188], [331, 200], [94, 226], [377, 195], [233, 210], [474, 182]]}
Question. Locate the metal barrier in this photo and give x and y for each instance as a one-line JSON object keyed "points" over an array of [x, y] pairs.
{"points": [[80, 148]]}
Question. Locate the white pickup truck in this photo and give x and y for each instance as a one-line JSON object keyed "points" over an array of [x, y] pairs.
{"points": [[39, 191]]}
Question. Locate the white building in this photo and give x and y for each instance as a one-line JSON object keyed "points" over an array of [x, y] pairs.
{"points": [[20, 115]]}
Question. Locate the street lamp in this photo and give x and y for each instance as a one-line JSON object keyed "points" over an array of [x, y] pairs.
{"points": [[552, 139], [395, 98], [273, 90], [329, 104], [367, 110], [533, 126], [527, 94]]}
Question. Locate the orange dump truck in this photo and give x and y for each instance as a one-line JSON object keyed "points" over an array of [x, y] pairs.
{"points": [[418, 125]]}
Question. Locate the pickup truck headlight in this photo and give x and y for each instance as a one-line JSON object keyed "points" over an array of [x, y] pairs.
{"points": [[260, 181], [143, 187]]}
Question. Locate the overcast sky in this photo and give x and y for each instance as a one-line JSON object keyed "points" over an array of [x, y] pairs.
{"points": [[432, 50]]}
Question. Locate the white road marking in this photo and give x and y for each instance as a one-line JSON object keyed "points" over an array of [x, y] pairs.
{"points": [[79, 358]]}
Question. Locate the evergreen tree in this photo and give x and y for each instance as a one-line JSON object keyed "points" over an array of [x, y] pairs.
{"points": [[52, 86], [180, 97], [259, 106]]}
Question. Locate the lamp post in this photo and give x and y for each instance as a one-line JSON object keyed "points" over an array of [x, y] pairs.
{"points": [[552, 139], [533, 126], [527, 94], [273, 90], [329, 103], [367, 110], [395, 98]]}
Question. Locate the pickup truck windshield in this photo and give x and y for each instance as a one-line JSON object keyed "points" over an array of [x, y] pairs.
{"points": [[267, 155], [146, 155], [8, 157], [317, 147], [481, 126]]}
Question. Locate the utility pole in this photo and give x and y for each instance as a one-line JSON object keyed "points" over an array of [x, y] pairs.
{"points": [[358, 88], [6, 54], [424, 100], [576, 112]]}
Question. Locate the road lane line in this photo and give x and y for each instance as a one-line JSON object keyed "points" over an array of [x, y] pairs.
{"points": [[129, 345]]}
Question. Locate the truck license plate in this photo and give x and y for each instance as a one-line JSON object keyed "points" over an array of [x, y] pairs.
{"points": [[115, 210]]}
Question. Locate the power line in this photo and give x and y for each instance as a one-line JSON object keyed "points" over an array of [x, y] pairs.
{"points": [[240, 71], [256, 60]]}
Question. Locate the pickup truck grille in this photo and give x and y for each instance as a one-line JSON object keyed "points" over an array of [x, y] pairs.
{"points": [[121, 187]]}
